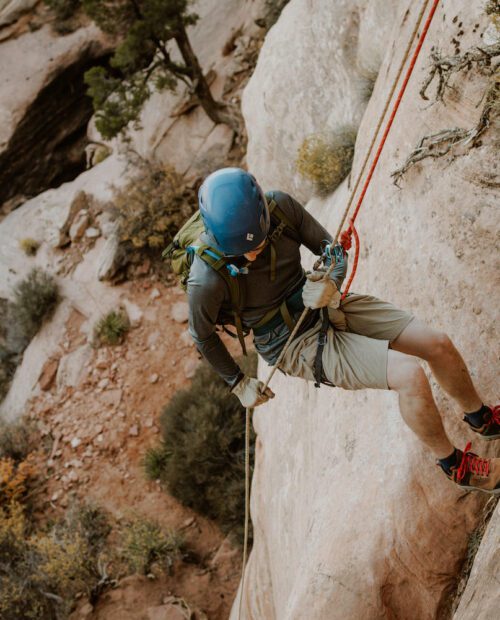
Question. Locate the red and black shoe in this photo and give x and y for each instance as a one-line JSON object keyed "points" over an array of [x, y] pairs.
{"points": [[490, 429], [475, 473]]}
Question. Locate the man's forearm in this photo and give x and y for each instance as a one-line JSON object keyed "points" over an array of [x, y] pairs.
{"points": [[216, 354]]}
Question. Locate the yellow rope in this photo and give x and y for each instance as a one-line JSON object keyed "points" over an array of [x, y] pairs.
{"points": [[304, 313]]}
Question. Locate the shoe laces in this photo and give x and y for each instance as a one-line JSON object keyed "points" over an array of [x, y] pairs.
{"points": [[495, 415], [472, 463]]}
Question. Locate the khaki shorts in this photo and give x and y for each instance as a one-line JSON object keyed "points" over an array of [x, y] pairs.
{"points": [[355, 355]]}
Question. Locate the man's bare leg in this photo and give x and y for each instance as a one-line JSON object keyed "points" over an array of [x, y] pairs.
{"points": [[445, 361], [416, 403]]}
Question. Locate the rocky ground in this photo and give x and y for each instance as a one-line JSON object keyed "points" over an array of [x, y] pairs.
{"points": [[100, 410]]}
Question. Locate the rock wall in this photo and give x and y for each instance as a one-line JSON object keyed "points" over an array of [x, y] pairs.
{"points": [[481, 598], [352, 519]]}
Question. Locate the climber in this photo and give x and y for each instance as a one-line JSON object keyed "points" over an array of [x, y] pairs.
{"points": [[367, 342]]}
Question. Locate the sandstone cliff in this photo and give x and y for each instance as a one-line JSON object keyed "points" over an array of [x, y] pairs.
{"points": [[351, 517]]}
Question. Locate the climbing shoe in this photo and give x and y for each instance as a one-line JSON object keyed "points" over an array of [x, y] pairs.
{"points": [[490, 428], [473, 472]]}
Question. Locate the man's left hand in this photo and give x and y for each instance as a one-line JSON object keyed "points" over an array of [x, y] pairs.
{"points": [[319, 291]]}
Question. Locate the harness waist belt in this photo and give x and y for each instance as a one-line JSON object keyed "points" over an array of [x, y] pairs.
{"points": [[291, 306]]}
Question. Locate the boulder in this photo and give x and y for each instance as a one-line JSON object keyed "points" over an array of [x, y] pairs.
{"points": [[189, 367], [10, 10], [79, 225], [48, 217], [48, 375], [134, 313], [72, 369], [92, 232], [180, 312]]}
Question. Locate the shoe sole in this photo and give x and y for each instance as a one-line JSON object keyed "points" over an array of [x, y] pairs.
{"points": [[492, 492]]}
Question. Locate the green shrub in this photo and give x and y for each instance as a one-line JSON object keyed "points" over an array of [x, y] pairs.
{"points": [[17, 440], [66, 15], [111, 328], [492, 7], [326, 159], [29, 246], [145, 543], [151, 209], [35, 299], [201, 458]]}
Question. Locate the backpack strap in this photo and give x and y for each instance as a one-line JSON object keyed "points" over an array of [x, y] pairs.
{"points": [[283, 223], [218, 262]]}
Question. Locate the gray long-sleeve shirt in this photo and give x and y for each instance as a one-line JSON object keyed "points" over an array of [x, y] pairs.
{"points": [[208, 292]]}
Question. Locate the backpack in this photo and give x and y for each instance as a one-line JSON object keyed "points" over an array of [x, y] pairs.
{"points": [[186, 244]]}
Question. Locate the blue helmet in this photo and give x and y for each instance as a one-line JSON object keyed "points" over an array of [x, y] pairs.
{"points": [[234, 211]]}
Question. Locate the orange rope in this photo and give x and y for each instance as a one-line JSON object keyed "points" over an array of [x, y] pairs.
{"points": [[385, 134]]}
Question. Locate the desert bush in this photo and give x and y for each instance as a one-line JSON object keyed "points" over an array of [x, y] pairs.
{"points": [[151, 209], [492, 7], [42, 571], [17, 440], [145, 543], [111, 328], [29, 246], [326, 158], [63, 9], [35, 299], [201, 457], [15, 480]]}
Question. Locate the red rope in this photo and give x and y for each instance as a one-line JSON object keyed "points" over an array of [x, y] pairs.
{"points": [[346, 235], [352, 232]]}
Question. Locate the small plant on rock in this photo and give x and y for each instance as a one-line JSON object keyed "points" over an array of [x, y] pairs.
{"points": [[35, 299], [326, 159], [145, 543], [111, 328], [29, 246]]}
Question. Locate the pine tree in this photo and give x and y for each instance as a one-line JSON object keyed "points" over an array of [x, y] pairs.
{"points": [[142, 62]]}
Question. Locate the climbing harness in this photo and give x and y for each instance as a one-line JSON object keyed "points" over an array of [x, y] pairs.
{"points": [[346, 236]]}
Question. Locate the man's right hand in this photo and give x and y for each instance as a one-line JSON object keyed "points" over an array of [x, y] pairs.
{"points": [[249, 391]]}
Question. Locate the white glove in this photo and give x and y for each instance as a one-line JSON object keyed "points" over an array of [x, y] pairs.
{"points": [[249, 391], [319, 291]]}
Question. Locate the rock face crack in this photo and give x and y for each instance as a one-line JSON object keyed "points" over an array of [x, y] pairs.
{"points": [[47, 147]]}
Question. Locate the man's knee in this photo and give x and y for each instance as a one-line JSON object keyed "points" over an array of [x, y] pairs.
{"points": [[439, 345], [404, 372]]}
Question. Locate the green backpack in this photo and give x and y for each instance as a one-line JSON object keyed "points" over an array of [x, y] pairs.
{"points": [[186, 245]]}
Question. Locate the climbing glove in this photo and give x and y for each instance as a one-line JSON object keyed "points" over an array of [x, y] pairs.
{"points": [[249, 391], [319, 291]]}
